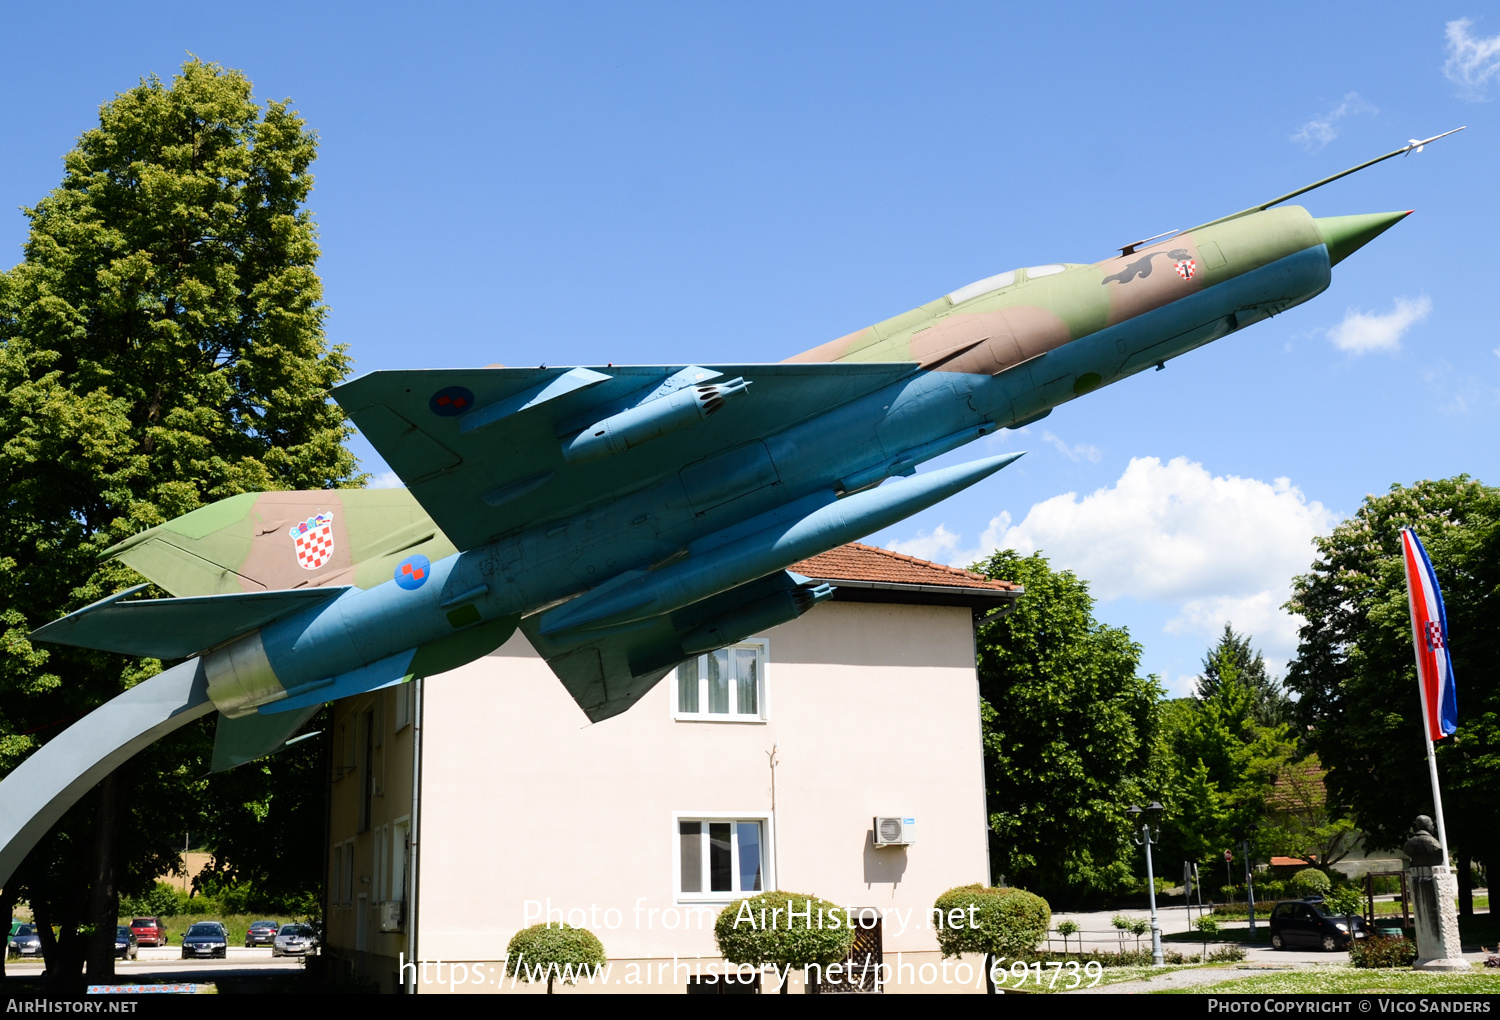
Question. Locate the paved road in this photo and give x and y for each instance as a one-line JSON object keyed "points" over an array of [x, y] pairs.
{"points": [[1100, 935], [243, 971]]}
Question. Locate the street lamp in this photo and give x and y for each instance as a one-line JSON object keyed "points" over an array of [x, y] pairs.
{"points": [[1146, 839]]}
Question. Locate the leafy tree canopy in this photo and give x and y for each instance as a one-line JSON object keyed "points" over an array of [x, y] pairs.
{"points": [[1233, 659], [1355, 673], [1069, 734], [161, 346]]}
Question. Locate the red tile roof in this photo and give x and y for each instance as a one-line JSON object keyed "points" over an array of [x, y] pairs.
{"points": [[859, 562]]}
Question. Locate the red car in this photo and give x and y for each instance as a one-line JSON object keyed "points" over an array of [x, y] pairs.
{"points": [[148, 931]]}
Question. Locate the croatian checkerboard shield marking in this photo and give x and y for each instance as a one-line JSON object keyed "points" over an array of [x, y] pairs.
{"points": [[313, 539], [1186, 268]]}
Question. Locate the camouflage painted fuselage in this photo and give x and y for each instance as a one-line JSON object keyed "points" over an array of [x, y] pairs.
{"points": [[625, 534]]}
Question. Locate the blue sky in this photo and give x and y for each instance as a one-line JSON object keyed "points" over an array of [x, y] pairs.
{"points": [[674, 183]]}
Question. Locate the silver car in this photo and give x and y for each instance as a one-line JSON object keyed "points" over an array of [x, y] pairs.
{"points": [[294, 940]]}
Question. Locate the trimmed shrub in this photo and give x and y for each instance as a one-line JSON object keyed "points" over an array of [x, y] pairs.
{"points": [[1381, 951], [995, 922], [554, 952], [762, 930], [1310, 882], [1006, 922], [1227, 954], [1067, 929]]}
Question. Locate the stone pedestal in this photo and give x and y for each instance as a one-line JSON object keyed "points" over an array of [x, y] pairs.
{"points": [[1434, 890]]}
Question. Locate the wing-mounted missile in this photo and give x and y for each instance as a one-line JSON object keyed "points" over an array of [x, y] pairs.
{"points": [[762, 544], [608, 672], [665, 410]]}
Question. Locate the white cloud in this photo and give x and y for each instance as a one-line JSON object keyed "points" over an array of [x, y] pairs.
{"points": [[1361, 332], [1213, 549], [1319, 131], [1472, 61], [1074, 453], [1260, 614], [386, 480], [937, 545]]}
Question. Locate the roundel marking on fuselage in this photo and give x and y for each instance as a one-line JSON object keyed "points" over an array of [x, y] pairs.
{"points": [[413, 571]]}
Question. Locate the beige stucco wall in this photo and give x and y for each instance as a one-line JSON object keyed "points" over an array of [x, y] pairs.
{"points": [[390, 801], [873, 710]]}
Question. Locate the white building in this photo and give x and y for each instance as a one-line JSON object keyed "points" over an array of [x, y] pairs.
{"points": [[759, 767]]}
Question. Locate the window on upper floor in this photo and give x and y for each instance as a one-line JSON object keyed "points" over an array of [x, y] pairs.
{"points": [[728, 685]]}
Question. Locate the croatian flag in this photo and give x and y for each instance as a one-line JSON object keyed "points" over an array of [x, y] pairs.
{"points": [[1429, 626]]}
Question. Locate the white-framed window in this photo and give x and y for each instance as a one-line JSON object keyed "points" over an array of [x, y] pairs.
{"points": [[336, 879], [719, 856], [348, 889], [728, 685], [400, 848], [405, 693], [382, 833]]}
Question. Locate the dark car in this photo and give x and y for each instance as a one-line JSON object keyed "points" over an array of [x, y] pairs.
{"points": [[261, 933], [294, 940], [127, 947], [206, 938], [148, 931], [1307, 923], [25, 942]]}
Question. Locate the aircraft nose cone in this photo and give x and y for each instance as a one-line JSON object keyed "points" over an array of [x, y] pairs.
{"points": [[1345, 235]]}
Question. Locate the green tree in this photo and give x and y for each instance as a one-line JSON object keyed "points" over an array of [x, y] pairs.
{"points": [[1227, 752], [786, 930], [1356, 677], [1233, 658], [1069, 734], [161, 346]]}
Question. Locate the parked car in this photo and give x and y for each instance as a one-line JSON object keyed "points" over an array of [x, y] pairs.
{"points": [[261, 933], [1308, 923], [206, 938], [148, 931], [127, 947], [25, 942], [294, 940]]}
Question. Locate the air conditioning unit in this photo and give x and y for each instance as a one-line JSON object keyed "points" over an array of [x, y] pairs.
{"points": [[392, 913], [894, 830]]}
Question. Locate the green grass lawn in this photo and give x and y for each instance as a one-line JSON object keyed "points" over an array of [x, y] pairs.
{"points": [[1111, 976], [1349, 981]]}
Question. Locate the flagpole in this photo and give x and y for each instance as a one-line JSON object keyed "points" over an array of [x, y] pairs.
{"points": [[1408, 562]]}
